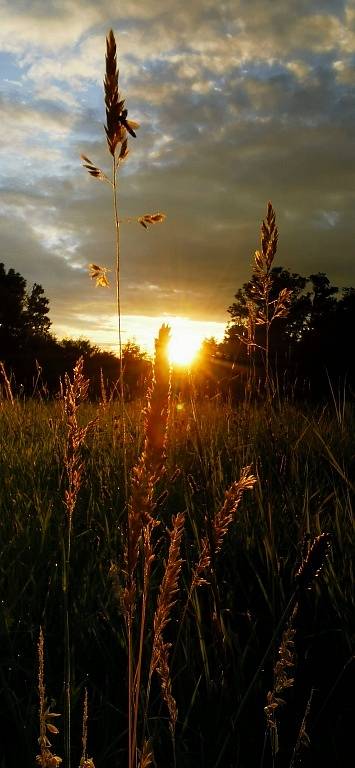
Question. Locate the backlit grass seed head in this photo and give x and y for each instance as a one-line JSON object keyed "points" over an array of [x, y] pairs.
{"points": [[226, 514], [166, 600], [283, 678], [267, 309], [269, 237], [264, 258], [151, 218], [92, 169], [117, 123], [140, 513], [220, 525], [147, 756], [150, 466], [163, 671], [99, 274], [75, 392], [169, 586], [157, 411], [313, 561]]}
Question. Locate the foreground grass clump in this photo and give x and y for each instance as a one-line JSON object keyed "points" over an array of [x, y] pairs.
{"points": [[304, 467]]}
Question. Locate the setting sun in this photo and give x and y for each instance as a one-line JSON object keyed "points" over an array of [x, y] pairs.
{"points": [[183, 346]]}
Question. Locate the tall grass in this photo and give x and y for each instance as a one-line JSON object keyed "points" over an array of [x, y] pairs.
{"points": [[75, 392], [189, 610], [262, 309], [304, 475], [117, 129]]}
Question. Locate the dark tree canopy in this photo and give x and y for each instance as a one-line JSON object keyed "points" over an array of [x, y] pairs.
{"points": [[313, 341], [37, 308], [36, 361], [23, 314]]}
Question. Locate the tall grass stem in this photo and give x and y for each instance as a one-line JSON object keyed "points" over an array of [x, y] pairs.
{"points": [[118, 308]]}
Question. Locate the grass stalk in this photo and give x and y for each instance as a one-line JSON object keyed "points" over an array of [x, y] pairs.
{"points": [[140, 525], [74, 393], [46, 758], [115, 166], [148, 559]]}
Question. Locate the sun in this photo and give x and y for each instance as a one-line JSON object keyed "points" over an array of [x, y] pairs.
{"points": [[183, 347]]}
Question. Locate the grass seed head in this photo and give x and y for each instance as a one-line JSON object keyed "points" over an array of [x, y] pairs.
{"points": [[313, 561], [166, 600], [117, 123], [147, 756], [286, 659]]}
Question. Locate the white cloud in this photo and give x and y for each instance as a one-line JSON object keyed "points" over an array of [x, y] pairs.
{"points": [[44, 25], [52, 93], [75, 69], [26, 121]]}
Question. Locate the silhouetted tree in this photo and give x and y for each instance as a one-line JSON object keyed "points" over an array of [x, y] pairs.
{"points": [[283, 330], [36, 312], [345, 324], [37, 361], [311, 343], [12, 307], [22, 314]]}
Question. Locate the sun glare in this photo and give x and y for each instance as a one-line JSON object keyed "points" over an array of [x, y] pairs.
{"points": [[183, 347], [186, 335]]}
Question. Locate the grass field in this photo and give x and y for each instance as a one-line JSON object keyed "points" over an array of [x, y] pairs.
{"points": [[176, 575], [225, 640]]}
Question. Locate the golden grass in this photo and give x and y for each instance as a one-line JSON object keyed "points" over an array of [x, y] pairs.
{"points": [[262, 309], [156, 533], [141, 523]]}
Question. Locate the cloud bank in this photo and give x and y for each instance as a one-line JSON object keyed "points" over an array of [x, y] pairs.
{"points": [[238, 103]]}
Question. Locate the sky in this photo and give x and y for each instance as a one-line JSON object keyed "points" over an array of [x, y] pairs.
{"points": [[239, 102]]}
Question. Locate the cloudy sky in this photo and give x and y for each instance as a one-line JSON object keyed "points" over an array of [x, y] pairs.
{"points": [[239, 101]]}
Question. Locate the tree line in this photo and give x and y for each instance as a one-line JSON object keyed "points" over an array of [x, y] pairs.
{"points": [[35, 361], [312, 343], [309, 345]]}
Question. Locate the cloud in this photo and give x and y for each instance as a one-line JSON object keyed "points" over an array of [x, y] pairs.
{"points": [[44, 25], [238, 103], [75, 69]]}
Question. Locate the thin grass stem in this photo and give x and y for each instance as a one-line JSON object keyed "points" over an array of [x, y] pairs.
{"points": [[115, 166]]}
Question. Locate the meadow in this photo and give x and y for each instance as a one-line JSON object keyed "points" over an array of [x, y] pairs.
{"points": [[228, 637]]}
